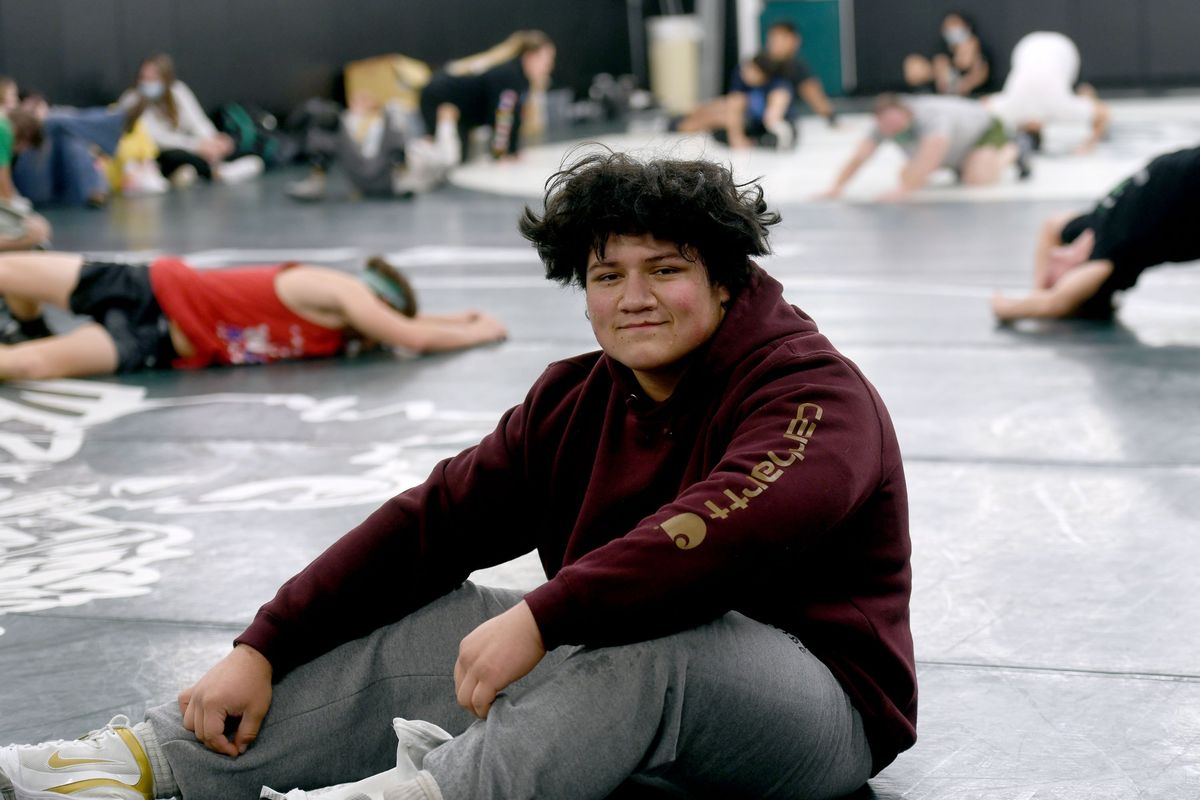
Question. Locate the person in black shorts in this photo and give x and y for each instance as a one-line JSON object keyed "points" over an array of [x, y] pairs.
{"points": [[1082, 261], [494, 97], [166, 314]]}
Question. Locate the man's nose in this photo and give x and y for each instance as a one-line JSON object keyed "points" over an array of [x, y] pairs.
{"points": [[637, 294]]}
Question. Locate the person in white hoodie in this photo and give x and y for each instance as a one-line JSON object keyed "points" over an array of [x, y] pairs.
{"points": [[189, 144]]}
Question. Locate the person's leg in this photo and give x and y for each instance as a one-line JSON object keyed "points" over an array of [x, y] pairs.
{"points": [[733, 708], [169, 161], [79, 182], [87, 350], [33, 173], [330, 719], [706, 117], [985, 165], [38, 278]]}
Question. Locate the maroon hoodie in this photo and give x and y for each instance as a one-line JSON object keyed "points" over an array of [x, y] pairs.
{"points": [[769, 483]]}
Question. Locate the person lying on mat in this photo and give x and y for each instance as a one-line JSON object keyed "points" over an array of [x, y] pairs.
{"points": [[1082, 261], [718, 500], [168, 315]]}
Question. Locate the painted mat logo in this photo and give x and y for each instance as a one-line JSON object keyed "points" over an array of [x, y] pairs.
{"points": [[688, 530], [69, 535]]}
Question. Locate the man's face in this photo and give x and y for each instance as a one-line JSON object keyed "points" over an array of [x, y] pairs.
{"points": [[893, 121], [782, 45], [651, 308]]}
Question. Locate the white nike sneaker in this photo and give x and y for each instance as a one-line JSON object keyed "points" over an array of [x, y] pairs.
{"points": [[109, 763], [416, 738]]}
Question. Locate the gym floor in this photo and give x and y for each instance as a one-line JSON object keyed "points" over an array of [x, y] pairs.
{"points": [[1053, 472]]}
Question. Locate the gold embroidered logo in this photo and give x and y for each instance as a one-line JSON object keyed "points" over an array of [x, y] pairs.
{"points": [[800, 431], [686, 530]]}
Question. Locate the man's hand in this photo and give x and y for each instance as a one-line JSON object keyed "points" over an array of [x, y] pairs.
{"points": [[498, 652], [237, 686]]}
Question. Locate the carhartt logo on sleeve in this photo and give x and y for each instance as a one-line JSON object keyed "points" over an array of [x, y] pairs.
{"points": [[686, 530], [800, 431]]}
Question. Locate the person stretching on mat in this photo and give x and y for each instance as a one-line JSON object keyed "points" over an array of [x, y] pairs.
{"points": [[934, 132], [168, 314], [718, 500], [1083, 260]]}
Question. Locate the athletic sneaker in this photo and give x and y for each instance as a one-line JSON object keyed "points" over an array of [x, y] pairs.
{"points": [[241, 169], [415, 739], [109, 763], [783, 133], [310, 189], [184, 176]]}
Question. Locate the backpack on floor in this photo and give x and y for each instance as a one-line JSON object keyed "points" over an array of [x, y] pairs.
{"points": [[255, 132]]}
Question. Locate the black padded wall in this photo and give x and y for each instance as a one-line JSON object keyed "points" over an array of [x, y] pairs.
{"points": [[278, 52], [1123, 43]]}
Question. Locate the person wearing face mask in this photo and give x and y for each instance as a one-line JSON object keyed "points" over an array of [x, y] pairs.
{"points": [[935, 132], [718, 500], [959, 68], [188, 142]]}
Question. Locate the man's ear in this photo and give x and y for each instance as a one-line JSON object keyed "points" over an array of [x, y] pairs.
{"points": [[723, 294]]}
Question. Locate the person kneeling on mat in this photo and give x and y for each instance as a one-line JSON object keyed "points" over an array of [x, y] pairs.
{"points": [[168, 314], [1083, 260], [935, 132], [718, 500]]}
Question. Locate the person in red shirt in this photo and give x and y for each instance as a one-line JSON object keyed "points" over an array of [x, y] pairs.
{"points": [[717, 498], [169, 315]]}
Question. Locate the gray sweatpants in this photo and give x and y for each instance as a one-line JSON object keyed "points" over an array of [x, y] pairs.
{"points": [[732, 708]]}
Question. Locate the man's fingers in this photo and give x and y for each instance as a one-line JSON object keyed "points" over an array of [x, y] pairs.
{"points": [[247, 730], [185, 698], [214, 732], [481, 700]]}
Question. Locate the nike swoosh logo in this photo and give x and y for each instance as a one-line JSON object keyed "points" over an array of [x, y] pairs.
{"points": [[56, 761]]}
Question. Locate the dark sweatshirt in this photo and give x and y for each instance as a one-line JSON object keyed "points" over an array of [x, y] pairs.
{"points": [[769, 483]]}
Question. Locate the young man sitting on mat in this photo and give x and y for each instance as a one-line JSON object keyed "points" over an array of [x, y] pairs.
{"points": [[168, 314], [1083, 260], [718, 500]]}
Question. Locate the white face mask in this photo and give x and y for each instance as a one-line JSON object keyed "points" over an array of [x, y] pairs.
{"points": [[151, 90], [956, 36]]}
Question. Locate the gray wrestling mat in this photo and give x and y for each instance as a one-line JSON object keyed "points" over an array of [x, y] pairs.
{"points": [[1052, 471], [1140, 129]]}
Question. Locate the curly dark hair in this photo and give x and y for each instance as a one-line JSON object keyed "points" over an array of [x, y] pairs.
{"points": [[694, 204]]}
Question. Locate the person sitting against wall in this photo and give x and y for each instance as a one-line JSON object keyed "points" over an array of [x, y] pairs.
{"points": [[1083, 261], [495, 97], [759, 107], [961, 67], [935, 132], [167, 314], [188, 142]]}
